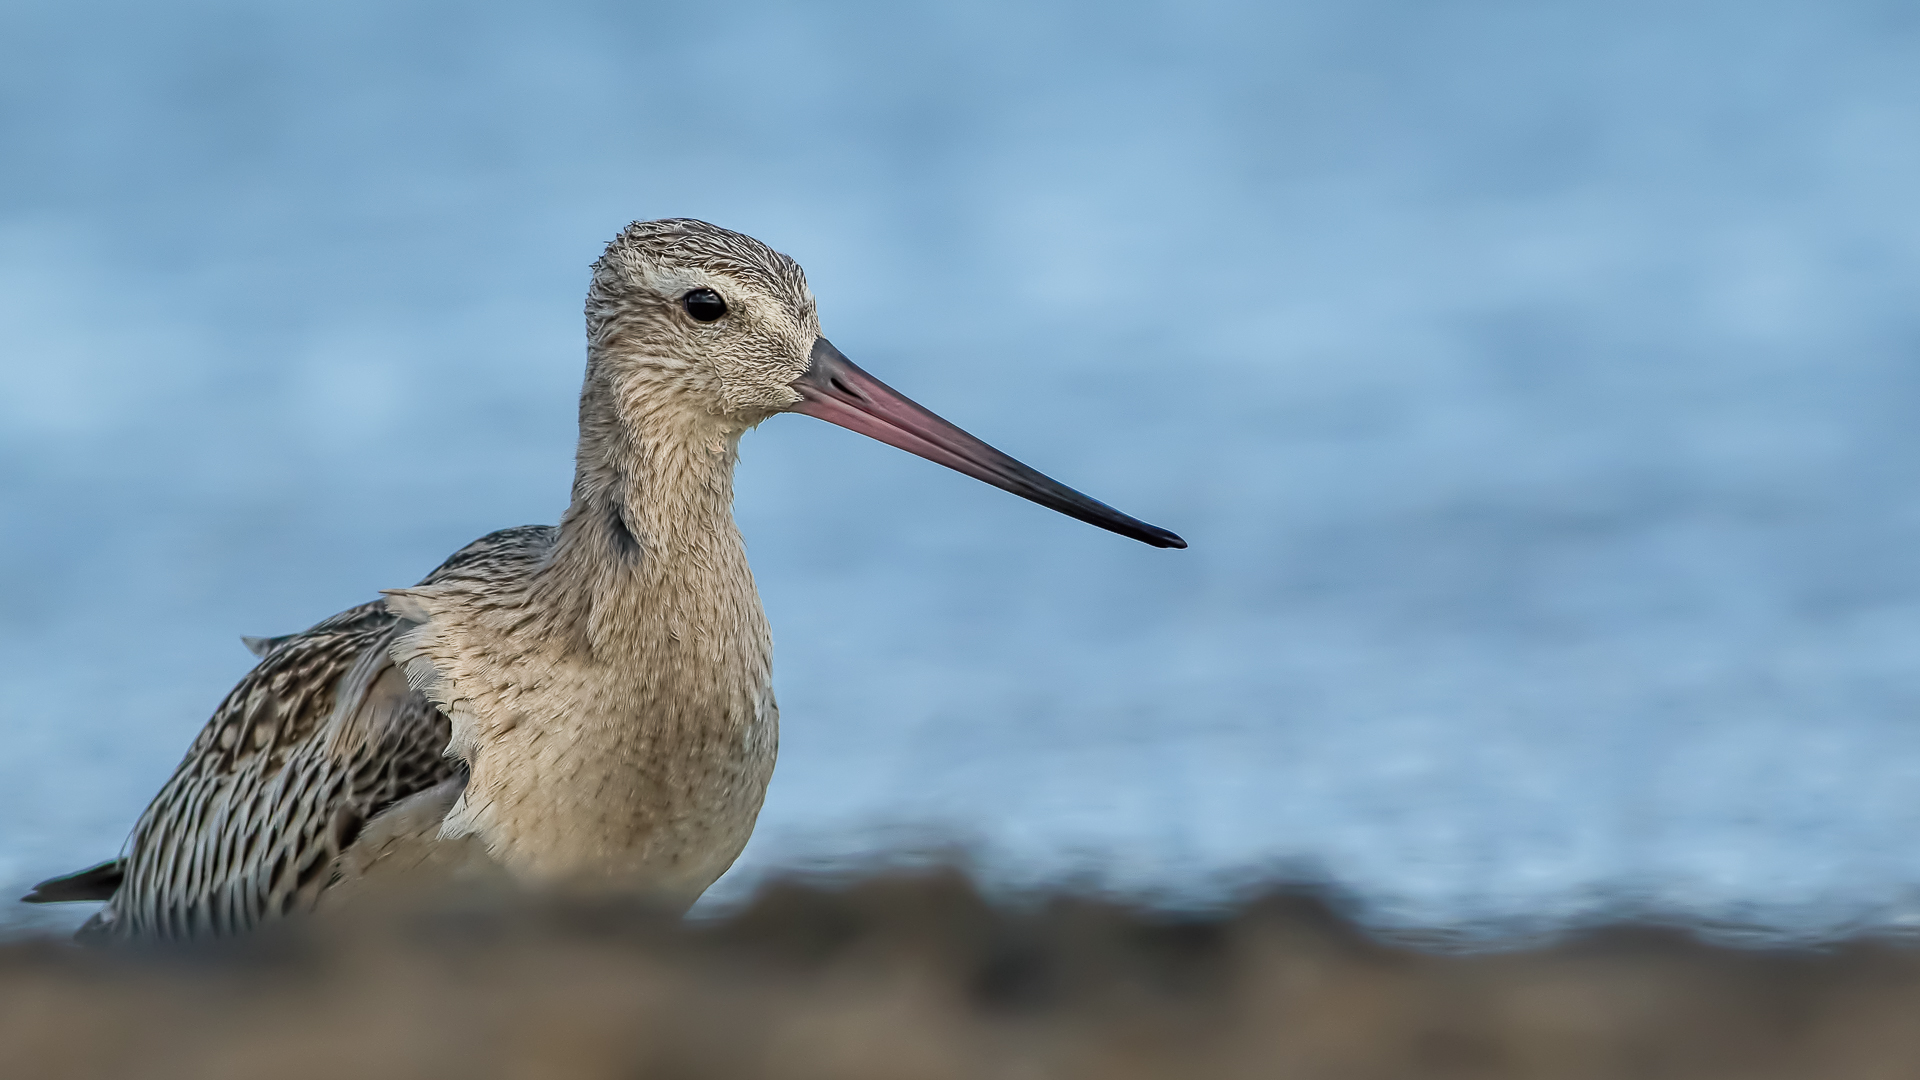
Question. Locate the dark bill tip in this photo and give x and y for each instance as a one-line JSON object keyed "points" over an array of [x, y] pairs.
{"points": [[836, 390]]}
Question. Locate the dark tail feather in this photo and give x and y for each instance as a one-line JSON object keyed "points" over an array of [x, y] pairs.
{"points": [[93, 883]]}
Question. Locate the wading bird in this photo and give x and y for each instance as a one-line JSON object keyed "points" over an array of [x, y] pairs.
{"points": [[591, 700]]}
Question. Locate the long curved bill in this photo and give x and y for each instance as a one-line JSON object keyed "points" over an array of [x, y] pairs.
{"points": [[834, 389]]}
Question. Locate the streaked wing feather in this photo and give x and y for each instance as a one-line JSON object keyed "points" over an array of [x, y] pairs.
{"points": [[319, 737]]}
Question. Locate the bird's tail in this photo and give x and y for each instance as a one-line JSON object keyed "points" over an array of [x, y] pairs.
{"points": [[94, 883]]}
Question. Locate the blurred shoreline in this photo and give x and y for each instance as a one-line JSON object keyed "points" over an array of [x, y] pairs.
{"points": [[916, 975]]}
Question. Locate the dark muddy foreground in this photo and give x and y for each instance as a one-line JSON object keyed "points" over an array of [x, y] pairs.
{"points": [[917, 977]]}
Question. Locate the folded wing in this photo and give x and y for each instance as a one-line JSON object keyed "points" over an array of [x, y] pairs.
{"points": [[316, 741]]}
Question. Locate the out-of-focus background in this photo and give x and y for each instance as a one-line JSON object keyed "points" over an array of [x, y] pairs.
{"points": [[1536, 384]]}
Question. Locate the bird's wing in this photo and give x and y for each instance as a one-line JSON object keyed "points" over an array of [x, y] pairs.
{"points": [[322, 735]]}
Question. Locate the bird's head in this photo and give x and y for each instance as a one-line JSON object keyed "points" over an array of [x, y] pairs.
{"points": [[704, 322], [686, 315]]}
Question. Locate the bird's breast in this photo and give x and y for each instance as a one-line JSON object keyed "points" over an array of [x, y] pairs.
{"points": [[645, 761]]}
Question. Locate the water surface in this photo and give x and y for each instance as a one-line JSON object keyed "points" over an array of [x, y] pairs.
{"points": [[1535, 384]]}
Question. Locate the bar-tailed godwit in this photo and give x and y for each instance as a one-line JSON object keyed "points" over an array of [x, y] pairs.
{"points": [[587, 700]]}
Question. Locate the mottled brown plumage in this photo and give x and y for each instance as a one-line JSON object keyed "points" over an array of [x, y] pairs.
{"points": [[319, 738]]}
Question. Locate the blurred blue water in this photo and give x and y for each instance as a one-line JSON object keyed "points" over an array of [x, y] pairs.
{"points": [[1536, 385]]}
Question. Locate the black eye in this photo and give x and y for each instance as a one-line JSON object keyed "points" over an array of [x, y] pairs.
{"points": [[704, 304]]}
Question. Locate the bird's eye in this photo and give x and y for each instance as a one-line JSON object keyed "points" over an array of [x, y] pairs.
{"points": [[704, 304]]}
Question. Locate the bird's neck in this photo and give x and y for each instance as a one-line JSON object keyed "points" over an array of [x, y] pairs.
{"points": [[618, 715], [648, 542]]}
